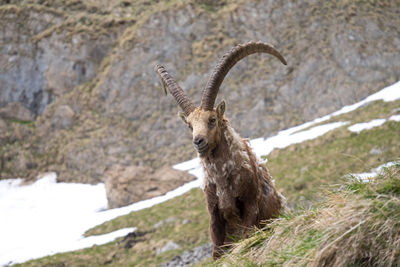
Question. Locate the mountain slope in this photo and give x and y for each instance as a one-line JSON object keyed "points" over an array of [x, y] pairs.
{"points": [[303, 172]]}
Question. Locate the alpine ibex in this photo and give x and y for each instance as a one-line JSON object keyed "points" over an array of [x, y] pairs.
{"points": [[239, 190]]}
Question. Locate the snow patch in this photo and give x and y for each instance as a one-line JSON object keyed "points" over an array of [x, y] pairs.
{"points": [[367, 176], [287, 138], [101, 239], [387, 94], [187, 165], [395, 118], [358, 127], [47, 217]]}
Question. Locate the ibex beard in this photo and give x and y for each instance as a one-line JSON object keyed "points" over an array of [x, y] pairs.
{"points": [[239, 190]]}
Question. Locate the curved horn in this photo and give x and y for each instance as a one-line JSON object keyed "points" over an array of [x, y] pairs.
{"points": [[169, 83], [227, 62]]}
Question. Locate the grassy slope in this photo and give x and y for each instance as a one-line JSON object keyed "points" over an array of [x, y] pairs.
{"points": [[301, 171], [357, 225]]}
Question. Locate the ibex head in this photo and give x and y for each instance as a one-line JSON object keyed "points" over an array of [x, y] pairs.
{"points": [[205, 121]]}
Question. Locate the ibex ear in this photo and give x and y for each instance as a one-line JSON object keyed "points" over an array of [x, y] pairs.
{"points": [[221, 109], [182, 115]]}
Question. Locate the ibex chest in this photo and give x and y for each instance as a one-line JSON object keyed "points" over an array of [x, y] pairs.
{"points": [[226, 179]]}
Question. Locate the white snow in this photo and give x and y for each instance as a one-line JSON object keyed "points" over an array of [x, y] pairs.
{"points": [[187, 165], [263, 147], [387, 94], [358, 127], [366, 176], [100, 239], [395, 118], [47, 217]]}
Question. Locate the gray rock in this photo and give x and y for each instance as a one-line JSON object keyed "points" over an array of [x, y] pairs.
{"points": [[63, 117], [185, 221], [126, 185], [36, 72], [190, 257], [304, 169], [16, 111], [169, 246], [396, 110], [375, 151], [163, 222], [159, 224]]}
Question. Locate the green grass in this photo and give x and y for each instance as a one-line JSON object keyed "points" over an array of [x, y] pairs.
{"points": [[349, 228], [300, 170], [22, 122]]}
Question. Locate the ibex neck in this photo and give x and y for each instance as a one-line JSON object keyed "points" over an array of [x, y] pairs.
{"points": [[228, 155], [222, 147]]}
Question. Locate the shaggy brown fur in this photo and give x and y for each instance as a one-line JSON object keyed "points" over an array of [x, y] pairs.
{"points": [[239, 190]]}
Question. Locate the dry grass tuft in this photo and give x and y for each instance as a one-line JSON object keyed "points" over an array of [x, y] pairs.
{"points": [[357, 225]]}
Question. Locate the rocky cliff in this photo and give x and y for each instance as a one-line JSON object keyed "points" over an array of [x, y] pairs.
{"points": [[78, 94]]}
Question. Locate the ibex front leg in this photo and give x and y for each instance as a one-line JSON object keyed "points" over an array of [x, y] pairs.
{"points": [[217, 222]]}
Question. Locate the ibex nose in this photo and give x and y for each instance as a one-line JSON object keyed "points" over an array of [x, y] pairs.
{"points": [[198, 141]]}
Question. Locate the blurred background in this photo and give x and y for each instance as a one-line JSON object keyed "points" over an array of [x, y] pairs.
{"points": [[79, 97]]}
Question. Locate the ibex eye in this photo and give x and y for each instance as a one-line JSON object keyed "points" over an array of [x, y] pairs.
{"points": [[212, 120], [190, 127]]}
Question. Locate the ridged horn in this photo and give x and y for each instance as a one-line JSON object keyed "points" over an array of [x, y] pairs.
{"points": [[169, 83], [227, 62]]}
